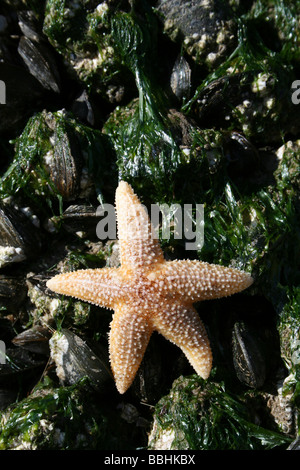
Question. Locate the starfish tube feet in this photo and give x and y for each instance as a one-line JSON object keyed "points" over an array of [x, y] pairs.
{"points": [[97, 286], [196, 280], [181, 325], [139, 244], [130, 333]]}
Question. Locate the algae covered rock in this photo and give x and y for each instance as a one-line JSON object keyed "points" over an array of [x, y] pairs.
{"points": [[61, 418], [207, 29], [199, 415], [80, 31]]}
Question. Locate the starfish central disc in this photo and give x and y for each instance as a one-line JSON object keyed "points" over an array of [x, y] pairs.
{"points": [[150, 294]]}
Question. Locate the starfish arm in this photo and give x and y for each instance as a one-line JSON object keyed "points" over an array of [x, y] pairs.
{"points": [[194, 280], [129, 336], [181, 325], [97, 286], [139, 245]]}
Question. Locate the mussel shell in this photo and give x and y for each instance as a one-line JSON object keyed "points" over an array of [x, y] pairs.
{"points": [[40, 63], [35, 339], [30, 25], [74, 360], [66, 164], [17, 231], [248, 355], [192, 17], [242, 156], [3, 23], [7, 396], [19, 363], [180, 80], [12, 291], [218, 98], [23, 97], [82, 108], [295, 445], [150, 377], [80, 218], [203, 27]]}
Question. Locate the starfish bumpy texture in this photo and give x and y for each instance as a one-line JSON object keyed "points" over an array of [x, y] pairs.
{"points": [[148, 293]]}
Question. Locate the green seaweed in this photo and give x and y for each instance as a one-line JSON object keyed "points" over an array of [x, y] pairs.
{"points": [[143, 141], [255, 56], [81, 34], [289, 330], [64, 24], [70, 421], [204, 416], [28, 177]]}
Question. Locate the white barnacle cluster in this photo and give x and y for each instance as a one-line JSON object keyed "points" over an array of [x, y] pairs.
{"points": [[58, 348], [11, 254]]}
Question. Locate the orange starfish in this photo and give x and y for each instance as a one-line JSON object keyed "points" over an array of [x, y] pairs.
{"points": [[148, 293]]}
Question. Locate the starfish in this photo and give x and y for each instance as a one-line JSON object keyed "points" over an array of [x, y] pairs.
{"points": [[148, 293]]}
